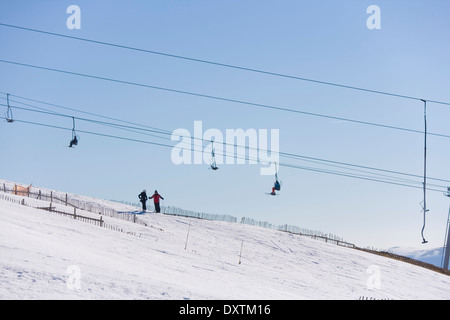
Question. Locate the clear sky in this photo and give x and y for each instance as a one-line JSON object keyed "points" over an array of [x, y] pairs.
{"points": [[321, 40]]}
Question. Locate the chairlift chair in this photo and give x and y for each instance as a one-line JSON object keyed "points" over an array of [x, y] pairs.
{"points": [[213, 157], [9, 116], [277, 184], [74, 140]]}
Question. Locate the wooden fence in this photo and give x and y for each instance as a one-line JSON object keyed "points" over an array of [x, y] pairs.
{"points": [[372, 298], [317, 235], [67, 201], [74, 215], [61, 198], [26, 192], [98, 222], [407, 260], [170, 210], [53, 209]]}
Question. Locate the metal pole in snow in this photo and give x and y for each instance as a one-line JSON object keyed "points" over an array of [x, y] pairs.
{"points": [[446, 248], [185, 246], [240, 253], [446, 255]]}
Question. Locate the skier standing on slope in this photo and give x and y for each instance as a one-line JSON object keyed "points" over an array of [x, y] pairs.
{"points": [[143, 198], [156, 196]]}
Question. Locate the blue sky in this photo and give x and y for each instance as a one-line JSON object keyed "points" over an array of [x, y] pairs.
{"points": [[322, 40]]}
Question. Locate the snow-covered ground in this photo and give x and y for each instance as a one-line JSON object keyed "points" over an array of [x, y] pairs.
{"points": [[432, 256], [48, 256]]}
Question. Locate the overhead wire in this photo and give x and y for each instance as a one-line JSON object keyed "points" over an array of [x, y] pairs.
{"points": [[230, 66], [164, 132], [372, 176], [163, 135], [259, 105], [270, 73], [70, 109], [227, 99], [344, 174]]}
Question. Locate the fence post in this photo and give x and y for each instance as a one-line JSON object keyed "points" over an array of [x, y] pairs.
{"points": [[66, 199], [101, 221], [187, 237], [39, 195], [74, 212], [51, 196], [240, 253]]}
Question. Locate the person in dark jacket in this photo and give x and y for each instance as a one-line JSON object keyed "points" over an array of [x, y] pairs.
{"points": [[276, 186], [156, 196], [143, 198]]}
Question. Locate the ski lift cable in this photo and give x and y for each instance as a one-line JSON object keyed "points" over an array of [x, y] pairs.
{"points": [[123, 127], [190, 93], [92, 133], [72, 109], [235, 156], [312, 114], [139, 128], [283, 154], [399, 179], [161, 131], [287, 165], [357, 177], [237, 67], [50, 112]]}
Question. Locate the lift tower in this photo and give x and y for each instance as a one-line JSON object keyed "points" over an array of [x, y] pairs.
{"points": [[446, 248]]}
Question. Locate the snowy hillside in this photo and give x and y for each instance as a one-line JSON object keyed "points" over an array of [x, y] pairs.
{"points": [[432, 256], [49, 256]]}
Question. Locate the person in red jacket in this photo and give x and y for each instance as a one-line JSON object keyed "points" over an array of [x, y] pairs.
{"points": [[156, 196]]}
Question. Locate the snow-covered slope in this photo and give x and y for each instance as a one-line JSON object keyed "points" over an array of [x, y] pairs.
{"points": [[432, 256], [47, 256]]}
